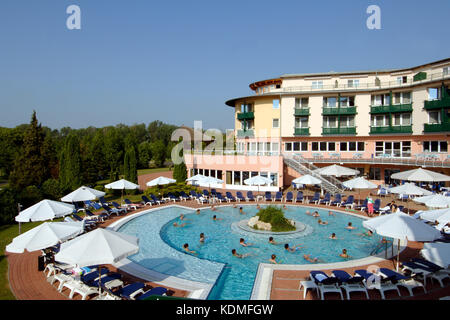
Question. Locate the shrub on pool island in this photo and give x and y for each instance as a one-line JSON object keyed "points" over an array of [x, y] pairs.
{"points": [[275, 217]]}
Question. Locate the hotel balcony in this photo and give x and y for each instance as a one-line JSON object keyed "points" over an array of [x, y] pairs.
{"points": [[301, 132], [437, 127], [249, 133], [438, 104], [339, 131], [301, 112], [391, 108], [246, 116], [390, 129], [338, 111]]}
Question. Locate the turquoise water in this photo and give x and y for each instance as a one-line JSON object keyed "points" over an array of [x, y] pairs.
{"points": [[237, 278]]}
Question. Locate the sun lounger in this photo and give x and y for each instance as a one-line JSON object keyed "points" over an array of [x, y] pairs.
{"points": [[268, 196], [131, 290], [425, 272], [349, 202], [110, 210], [219, 197], [430, 264], [250, 196], [132, 205], [88, 224], [278, 197], [374, 281], [147, 201], [239, 196], [315, 198], [337, 200], [325, 283], [158, 291], [402, 280], [229, 196], [350, 283], [326, 200], [155, 199], [289, 197], [300, 197], [118, 207], [82, 289], [95, 217], [103, 201], [205, 194], [183, 196]]}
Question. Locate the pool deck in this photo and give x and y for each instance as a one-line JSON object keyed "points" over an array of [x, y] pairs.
{"points": [[280, 282]]}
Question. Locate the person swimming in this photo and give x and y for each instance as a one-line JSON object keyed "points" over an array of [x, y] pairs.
{"points": [[197, 211], [333, 236], [307, 257], [308, 212], [241, 211], [344, 254], [258, 206], [292, 249], [176, 225], [243, 243], [322, 222], [213, 208], [350, 227], [273, 259], [186, 248], [216, 219], [369, 233], [331, 213], [271, 241], [238, 255], [316, 214], [202, 237]]}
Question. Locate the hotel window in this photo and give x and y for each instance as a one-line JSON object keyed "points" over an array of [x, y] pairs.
{"points": [[401, 80], [381, 100], [276, 103], [347, 122], [301, 103], [402, 98], [323, 146], [401, 119], [330, 102], [288, 146], [275, 123], [245, 175], [330, 122], [229, 177], [301, 122], [434, 117], [375, 173], [446, 71], [237, 177], [435, 146], [317, 85], [393, 149], [434, 93], [274, 177], [351, 146], [275, 147], [347, 101], [300, 146], [353, 83], [380, 121]]}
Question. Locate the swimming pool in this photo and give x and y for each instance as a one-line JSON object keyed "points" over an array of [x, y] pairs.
{"points": [[235, 279]]}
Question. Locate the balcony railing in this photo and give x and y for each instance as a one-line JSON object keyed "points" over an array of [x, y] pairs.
{"points": [[301, 132], [391, 108], [390, 129], [436, 127], [335, 111], [350, 130], [438, 104], [245, 133], [246, 116], [301, 112]]}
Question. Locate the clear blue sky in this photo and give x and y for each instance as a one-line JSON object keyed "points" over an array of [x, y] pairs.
{"points": [[179, 61]]}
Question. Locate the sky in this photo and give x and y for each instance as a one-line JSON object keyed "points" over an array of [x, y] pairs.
{"points": [[179, 61]]}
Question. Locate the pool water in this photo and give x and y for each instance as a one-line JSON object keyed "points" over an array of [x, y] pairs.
{"points": [[237, 277]]}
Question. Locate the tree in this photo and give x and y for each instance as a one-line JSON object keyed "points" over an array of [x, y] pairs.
{"points": [[130, 165], [158, 149], [31, 166], [180, 172], [145, 154], [113, 148], [8, 206], [70, 164]]}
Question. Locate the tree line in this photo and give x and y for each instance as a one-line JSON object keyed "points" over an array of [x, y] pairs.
{"points": [[40, 163]]}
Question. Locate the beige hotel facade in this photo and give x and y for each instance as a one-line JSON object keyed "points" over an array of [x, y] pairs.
{"points": [[379, 122]]}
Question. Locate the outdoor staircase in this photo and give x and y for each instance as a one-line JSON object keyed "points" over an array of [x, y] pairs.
{"points": [[301, 165]]}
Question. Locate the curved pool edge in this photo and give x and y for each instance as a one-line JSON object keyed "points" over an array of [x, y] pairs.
{"points": [[263, 279], [196, 289]]}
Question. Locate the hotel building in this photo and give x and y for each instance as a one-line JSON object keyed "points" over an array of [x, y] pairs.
{"points": [[379, 122]]}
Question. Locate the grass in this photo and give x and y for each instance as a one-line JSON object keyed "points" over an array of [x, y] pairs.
{"points": [[7, 233], [153, 170]]}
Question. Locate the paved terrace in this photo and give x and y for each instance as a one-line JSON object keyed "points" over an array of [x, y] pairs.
{"points": [[27, 283]]}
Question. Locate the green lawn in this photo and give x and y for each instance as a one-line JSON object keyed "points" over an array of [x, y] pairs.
{"points": [[7, 233], [147, 171]]}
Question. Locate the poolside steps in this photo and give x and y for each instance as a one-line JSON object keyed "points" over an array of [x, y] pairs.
{"points": [[303, 166]]}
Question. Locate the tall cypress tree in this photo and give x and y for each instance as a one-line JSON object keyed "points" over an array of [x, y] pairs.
{"points": [[70, 164], [130, 165], [31, 167]]}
